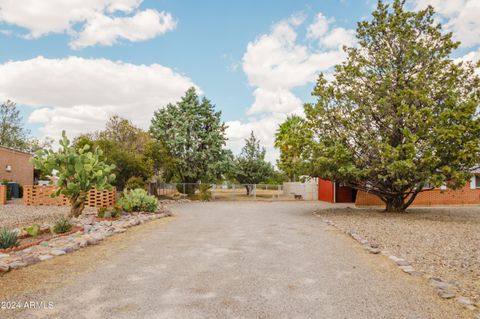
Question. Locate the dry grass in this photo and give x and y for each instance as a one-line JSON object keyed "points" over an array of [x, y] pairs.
{"points": [[440, 242]]}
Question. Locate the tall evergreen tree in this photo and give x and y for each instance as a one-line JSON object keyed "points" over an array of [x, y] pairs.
{"points": [[400, 115], [250, 166], [194, 137]]}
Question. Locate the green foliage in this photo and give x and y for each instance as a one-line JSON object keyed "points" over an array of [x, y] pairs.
{"points": [[12, 133], [138, 200], [194, 136], [204, 193], [135, 182], [127, 147], [400, 114], [250, 166], [62, 225], [8, 238], [116, 211], [101, 212], [78, 171], [292, 139], [33, 230]]}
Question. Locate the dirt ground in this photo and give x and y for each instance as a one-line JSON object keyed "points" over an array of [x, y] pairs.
{"points": [[440, 242], [18, 215]]}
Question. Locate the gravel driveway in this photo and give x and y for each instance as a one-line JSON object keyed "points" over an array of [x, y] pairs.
{"points": [[238, 260]]}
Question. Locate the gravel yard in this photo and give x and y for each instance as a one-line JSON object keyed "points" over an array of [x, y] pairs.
{"points": [[440, 242], [17, 215]]}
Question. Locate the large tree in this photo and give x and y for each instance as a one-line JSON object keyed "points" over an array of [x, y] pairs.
{"points": [[194, 137], [125, 146], [400, 116], [12, 132], [291, 139], [250, 167]]}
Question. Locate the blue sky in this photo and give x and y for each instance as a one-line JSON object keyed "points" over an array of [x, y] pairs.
{"points": [[256, 60]]}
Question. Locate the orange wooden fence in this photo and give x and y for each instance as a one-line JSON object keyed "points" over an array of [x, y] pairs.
{"points": [[3, 194], [35, 195]]}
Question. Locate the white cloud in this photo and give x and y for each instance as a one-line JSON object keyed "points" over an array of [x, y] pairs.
{"points": [[277, 62], [319, 27], [339, 37], [98, 20], [459, 16], [79, 94]]}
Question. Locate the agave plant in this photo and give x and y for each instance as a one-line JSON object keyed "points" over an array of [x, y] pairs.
{"points": [[8, 238]]}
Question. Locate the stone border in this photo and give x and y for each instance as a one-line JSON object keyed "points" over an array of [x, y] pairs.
{"points": [[22, 247], [87, 232], [444, 289]]}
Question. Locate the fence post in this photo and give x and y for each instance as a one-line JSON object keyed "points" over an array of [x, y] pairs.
{"points": [[183, 184]]}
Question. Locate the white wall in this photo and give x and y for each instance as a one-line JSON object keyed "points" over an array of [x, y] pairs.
{"points": [[308, 190]]}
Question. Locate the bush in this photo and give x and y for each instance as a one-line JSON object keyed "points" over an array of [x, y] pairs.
{"points": [[204, 193], [33, 230], [135, 182], [116, 211], [138, 200], [8, 238], [62, 225], [101, 212]]}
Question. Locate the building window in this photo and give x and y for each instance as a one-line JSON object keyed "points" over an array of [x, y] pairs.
{"points": [[8, 168], [477, 181]]}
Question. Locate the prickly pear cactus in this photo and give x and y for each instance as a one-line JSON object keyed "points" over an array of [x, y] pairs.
{"points": [[78, 170]]}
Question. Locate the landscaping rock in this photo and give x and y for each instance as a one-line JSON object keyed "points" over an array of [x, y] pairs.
{"points": [[4, 267], [45, 257], [30, 260], [4, 256], [17, 264], [446, 294], [402, 262], [57, 252], [464, 301]]}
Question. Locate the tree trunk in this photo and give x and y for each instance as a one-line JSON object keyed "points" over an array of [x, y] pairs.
{"points": [[248, 187], [395, 204], [77, 204]]}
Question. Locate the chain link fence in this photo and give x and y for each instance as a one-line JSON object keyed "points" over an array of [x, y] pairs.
{"points": [[221, 192]]}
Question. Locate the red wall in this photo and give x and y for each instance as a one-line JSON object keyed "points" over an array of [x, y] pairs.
{"points": [[325, 190], [464, 196], [344, 194]]}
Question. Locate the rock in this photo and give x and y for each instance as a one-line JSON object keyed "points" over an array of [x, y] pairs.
{"points": [[407, 269], [30, 260], [92, 241], [4, 267], [119, 230], [57, 252], [402, 262], [374, 245], [17, 264], [439, 284], [45, 257], [87, 228], [374, 250], [464, 301], [4, 256], [446, 294], [416, 273], [394, 258]]}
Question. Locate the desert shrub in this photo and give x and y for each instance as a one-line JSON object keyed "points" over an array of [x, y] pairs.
{"points": [[62, 225], [33, 230], [116, 211], [138, 200], [8, 238], [101, 212], [204, 192], [135, 182]]}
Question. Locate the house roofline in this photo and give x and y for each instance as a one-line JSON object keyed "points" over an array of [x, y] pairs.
{"points": [[15, 150]]}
